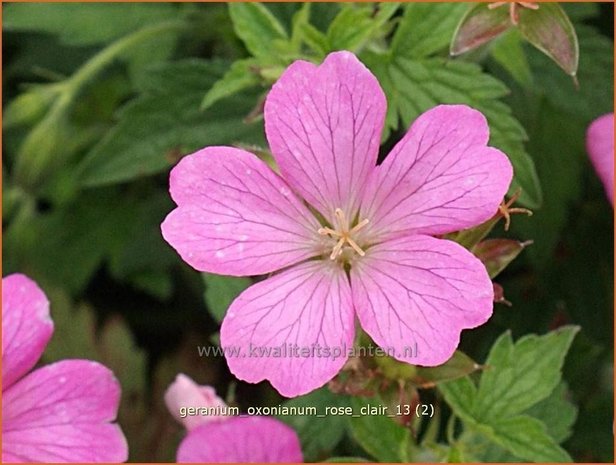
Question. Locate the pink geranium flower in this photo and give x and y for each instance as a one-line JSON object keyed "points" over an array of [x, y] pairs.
{"points": [[58, 413], [345, 237], [221, 438], [600, 146]]}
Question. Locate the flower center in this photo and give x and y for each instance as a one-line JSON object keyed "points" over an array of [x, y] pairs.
{"points": [[343, 234]]}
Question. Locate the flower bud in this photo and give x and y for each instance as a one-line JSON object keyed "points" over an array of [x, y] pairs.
{"points": [[30, 106], [185, 398], [43, 150]]}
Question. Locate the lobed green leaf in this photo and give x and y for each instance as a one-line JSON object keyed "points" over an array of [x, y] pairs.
{"points": [[517, 376], [413, 86], [257, 27], [426, 28], [380, 436]]}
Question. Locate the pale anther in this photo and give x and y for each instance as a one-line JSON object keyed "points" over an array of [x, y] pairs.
{"points": [[357, 248], [343, 234], [325, 231], [359, 226], [337, 249]]}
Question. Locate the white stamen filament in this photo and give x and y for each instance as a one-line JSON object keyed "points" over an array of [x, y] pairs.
{"points": [[343, 235]]}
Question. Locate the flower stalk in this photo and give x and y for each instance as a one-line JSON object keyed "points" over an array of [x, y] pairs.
{"points": [[45, 147]]}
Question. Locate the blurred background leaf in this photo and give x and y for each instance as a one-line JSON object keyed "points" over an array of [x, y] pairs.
{"points": [[154, 131], [318, 436]]}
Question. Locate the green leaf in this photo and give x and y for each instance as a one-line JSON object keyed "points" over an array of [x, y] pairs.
{"points": [[87, 24], [379, 435], [479, 25], [165, 122], [518, 376], [345, 460], [157, 283], [257, 27], [527, 438], [549, 29], [356, 24], [557, 412], [426, 28], [30, 106], [457, 366], [469, 238], [557, 145], [508, 52], [497, 254], [595, 95], [314, 39], [300, 19], [395, 369], [240, 76], [350, 28], [220, 291], [413, 86], [478, 447], [141, 257], [581, 11], [460, 395], [60, 134], [318, 435], [385, 11], [67, 245]]}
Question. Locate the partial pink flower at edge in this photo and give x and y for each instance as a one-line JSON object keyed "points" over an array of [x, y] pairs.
{"points": [[600, 147], [62, 412], [227, 439], [370, 251]]}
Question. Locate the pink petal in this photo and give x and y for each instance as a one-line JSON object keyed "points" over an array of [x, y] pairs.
{"points": [[441, 177], [600, 146], [185, 393], [26, 326], [235, 216], [241, 440], [324, 127], [62, 413], [293, 329], [418, 292]]}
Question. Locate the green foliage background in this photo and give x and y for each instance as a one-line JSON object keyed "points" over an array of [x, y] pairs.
{"points": [[101, 100]]}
